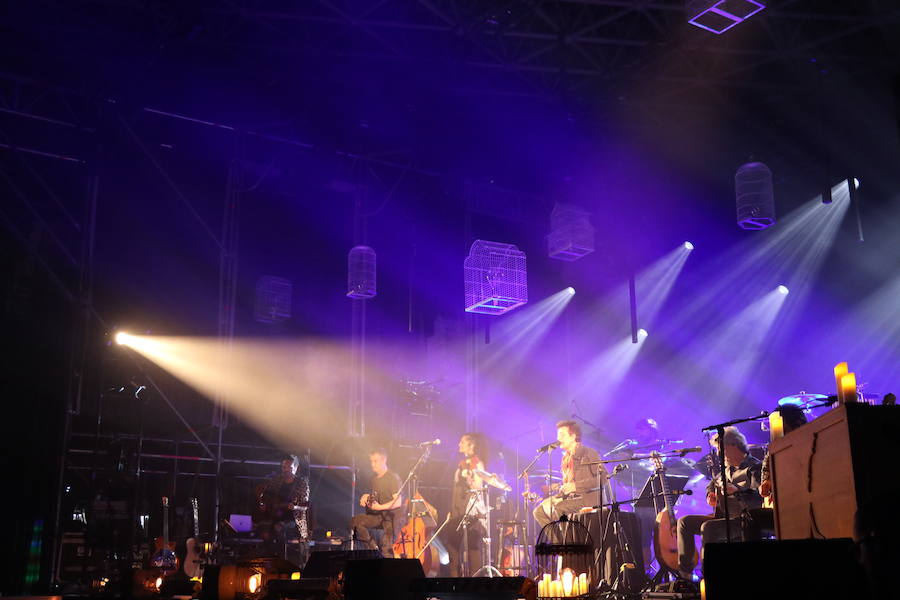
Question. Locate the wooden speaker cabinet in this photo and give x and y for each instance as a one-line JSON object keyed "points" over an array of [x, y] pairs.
{"points": [[823, 471]]}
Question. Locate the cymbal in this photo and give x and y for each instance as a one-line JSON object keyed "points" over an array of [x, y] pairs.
{"points": [[801, 399]]}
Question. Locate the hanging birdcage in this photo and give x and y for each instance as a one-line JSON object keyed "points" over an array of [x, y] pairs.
{"points": [[565, 560]]}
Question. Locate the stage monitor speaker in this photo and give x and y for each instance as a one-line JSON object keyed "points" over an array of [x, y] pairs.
{"points": [[784, 569], [381, 579], [475, 588], [329, 564]]}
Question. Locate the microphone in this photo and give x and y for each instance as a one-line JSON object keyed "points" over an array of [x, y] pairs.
{"points": [[684, 451], [549, 446], [618, 469], [434, 442], [678, 493]]}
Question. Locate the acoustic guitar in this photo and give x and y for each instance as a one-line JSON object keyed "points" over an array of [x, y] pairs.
{"points": [[193, 556], [665, 534]]}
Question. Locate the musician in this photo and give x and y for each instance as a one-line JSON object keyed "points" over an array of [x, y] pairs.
{"points": [[581, 477], [467, 499], [383, 506], [281, 504], [742, 477]]}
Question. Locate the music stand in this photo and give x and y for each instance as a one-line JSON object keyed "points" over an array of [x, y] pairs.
{"points": [[649, 496]]}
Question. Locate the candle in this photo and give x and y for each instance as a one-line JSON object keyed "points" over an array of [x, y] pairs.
{"points": [[582, 583], [702, 589], [568, 577], [848, 387], [545, 581], [776, 426], [840, 370]]}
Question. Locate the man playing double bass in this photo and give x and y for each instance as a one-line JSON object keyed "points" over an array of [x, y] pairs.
{"points": [[581, 473], [383, 506]]}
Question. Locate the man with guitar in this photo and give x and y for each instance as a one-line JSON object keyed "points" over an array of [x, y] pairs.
{"points": [[383, 506], [582, 476], [281, 503], [742, 478]]}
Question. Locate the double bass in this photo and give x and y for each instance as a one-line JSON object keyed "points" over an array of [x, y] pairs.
{"points": [[414, 535]]}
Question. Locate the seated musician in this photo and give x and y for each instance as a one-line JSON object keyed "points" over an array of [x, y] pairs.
{"points": [[383, 506], [758, 520], [281, 504], [742, 477], [582, 475]]}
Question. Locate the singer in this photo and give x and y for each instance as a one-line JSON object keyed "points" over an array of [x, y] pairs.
{"points": [[580, 478], [467, 501]]}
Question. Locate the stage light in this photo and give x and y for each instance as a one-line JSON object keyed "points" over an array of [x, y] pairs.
{"points": [[122, 338], [571, 290], [688, 246], [158, 583], [254, 582], [856, 183], [782, 289], [642, 334]]}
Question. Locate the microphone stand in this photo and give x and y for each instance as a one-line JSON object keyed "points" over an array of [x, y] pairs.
{"points": [[412, 481], [720, 438]]}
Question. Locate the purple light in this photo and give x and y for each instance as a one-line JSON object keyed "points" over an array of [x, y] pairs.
{"points": [[782, 289], [720, 16], [688, 246]]}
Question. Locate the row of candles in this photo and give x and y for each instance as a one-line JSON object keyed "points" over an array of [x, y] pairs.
{"points": [[847, 392], [568, 585]]}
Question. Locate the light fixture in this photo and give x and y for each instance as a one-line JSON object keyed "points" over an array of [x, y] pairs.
{"points": [[571, 290], [782, 289], [688, 246], [642, 334], [254, 583], [122, 338]]}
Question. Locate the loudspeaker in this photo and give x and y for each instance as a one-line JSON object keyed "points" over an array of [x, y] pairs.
{"points": [[783, 569], [475, 588], [381, 579], [329, 564]]}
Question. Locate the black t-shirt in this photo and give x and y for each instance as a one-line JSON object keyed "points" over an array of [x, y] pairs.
{"points": [[385, 487]]}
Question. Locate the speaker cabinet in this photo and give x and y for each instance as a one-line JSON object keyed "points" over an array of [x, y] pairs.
{"points": [[475, 588], [381, 579], [785, 569]]}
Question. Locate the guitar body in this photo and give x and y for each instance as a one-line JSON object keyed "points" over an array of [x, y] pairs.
{"points": [[192, 558], [665, 541]]}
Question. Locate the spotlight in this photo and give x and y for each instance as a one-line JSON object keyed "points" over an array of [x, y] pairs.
{"points": [[571, 290], [856, 183], [826, 195], [783, 290], [122, 338], [642, 334], [688, 246]]}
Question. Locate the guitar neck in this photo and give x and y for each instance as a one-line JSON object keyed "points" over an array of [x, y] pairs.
{"points": [[196, 518]]}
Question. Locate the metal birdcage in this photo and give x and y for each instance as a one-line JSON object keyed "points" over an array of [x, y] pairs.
{"points": [[495, 278], [565, 560]]}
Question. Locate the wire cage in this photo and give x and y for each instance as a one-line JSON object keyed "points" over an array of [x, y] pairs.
{"points": [[564, 554], [495, 278]]}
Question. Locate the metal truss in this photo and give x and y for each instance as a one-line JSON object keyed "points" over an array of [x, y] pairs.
{"points": [[549, 47]]}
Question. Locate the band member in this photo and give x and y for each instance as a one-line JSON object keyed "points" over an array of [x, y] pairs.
{"points": [[582, 476], [281, 504], [467, 502], [383, 506], [742, 477]]}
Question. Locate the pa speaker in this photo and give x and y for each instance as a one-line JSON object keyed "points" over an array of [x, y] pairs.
{"points": [[475, 588], [381, 579], [329, 564], [783, 569]]}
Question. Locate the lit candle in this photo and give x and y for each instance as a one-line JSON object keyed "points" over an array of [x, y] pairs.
{"points": [[568, 577], [702, 589], [848, 387], [582, 583], [840, 370], [776, 426], [546, 582]]}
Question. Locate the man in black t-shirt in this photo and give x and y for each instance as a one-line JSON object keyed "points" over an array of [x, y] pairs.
{"points": [[383, 506]]}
